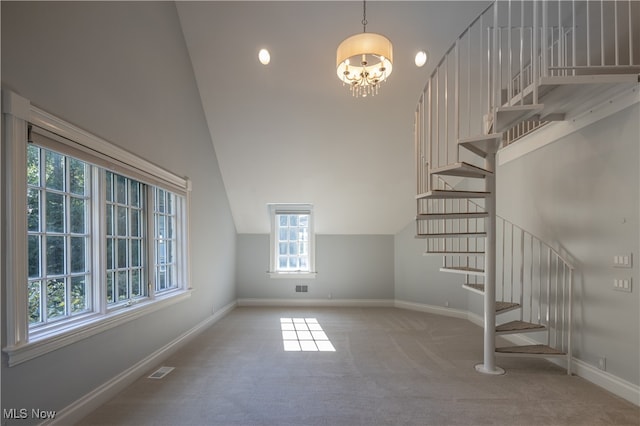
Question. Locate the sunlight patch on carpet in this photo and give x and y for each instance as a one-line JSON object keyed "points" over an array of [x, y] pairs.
{"points": [[304, 335]]}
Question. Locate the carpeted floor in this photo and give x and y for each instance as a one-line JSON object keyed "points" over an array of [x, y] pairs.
{"points": [[390, 367]]}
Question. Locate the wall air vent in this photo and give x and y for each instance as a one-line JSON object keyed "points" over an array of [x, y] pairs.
{"points": [[302, 288], [160, 373]]}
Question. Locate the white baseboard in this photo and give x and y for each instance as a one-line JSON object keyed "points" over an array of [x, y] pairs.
{"points": [[319, 303], [89, 402]]}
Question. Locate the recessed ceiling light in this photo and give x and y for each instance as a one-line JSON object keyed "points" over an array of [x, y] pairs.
{"points": [[421, 58], [264, 57]]}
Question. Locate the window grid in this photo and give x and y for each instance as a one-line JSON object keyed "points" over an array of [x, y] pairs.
{"points": [[58, 240], [293, 242], [165, 240], [125, 248]]}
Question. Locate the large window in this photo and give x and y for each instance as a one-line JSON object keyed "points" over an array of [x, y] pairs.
{"points": [[292, 240], [103, 239]]}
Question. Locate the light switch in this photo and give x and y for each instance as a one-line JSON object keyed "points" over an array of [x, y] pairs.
{"points": [[623, 260], [623, 284]]}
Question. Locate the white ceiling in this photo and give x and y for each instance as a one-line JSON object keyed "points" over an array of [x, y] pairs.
{"points": [[289, 132]]}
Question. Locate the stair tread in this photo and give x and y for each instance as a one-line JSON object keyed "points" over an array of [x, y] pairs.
{"points": [[444, 252], [442, 193], [460, 215], [516, 326], [476, 288], [509, 116], [452, 235], [530, 350], [463, 270], [483, 144], [462, 169], [506, 306]]}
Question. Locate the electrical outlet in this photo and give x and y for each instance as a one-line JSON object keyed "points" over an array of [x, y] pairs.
{"points": [[602, 363]]}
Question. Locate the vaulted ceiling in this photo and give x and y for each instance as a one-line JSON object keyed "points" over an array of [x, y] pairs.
{"points": [[289, 132]]}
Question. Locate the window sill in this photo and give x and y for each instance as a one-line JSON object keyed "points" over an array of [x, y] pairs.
{"points": [[51, 341], [293, 275]]}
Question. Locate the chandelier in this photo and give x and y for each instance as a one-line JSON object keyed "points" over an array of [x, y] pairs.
{"points": [[364, 60]]}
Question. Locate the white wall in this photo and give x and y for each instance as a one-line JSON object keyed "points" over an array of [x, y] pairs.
{"points": [[348, 266], [418, 278], [120, 70], [580, 194]]}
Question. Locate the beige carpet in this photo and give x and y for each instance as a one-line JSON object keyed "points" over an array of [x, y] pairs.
{"points": [[390, 367]]}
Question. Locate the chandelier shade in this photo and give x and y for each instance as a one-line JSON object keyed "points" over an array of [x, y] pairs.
{"points": [[364, 61]]}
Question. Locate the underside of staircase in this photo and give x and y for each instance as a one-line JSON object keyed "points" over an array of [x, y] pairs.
{"points": [[518, 67]]}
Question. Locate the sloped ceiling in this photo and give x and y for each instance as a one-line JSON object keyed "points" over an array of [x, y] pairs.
{"points": [[289, 132]]}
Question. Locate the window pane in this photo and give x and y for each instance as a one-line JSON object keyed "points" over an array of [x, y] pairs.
{"points": [[161, 227], [78, 223], [35, 308], [283, 234], [54, 169], [136, 288], [304, 248], [170, 203], [123, 286], [122, 221], [33, 165], [78, 294], [110, 230], [109, 186], [78, 254], [122, 253], [304, 220], [77, 175], [110, 255], [304, 263], [135, 253], [169, 253], [282, 220], [293, 234], [161, 278], [293, 248], [55, 255], [160, 201], [56, 298], [282, 248], [134, 193], [293, 220], [170, 227], [135, 223], [34, 255], [282, 262], [293, 262], [55, 212], [110, 287], [33, 210], [121, 189]]}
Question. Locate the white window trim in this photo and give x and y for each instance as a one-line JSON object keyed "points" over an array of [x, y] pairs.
{"points": [[17, 114], [273, 242]]}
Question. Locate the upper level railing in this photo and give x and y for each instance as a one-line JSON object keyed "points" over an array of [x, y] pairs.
{"points": [[504, 56]]}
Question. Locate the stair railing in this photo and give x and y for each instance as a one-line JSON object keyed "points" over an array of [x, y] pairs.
{"points": [[530, 271], [502, 57], [535, 275]]}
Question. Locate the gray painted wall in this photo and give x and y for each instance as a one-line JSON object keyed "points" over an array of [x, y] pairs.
{"points": [[418, 278], [348, 266], [580, 194], [120, 71]]}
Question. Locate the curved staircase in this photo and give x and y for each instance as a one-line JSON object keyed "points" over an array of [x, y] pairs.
{"points": [[519, 66]]}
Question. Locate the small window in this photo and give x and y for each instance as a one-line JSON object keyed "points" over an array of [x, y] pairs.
{"points": [[292, 240]]}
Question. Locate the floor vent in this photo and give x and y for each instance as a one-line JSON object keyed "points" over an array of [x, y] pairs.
{"points": [[160, 373], [302, 288]]}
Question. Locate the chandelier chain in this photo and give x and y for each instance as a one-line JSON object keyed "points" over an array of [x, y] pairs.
{"points": [[364, 16]]}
